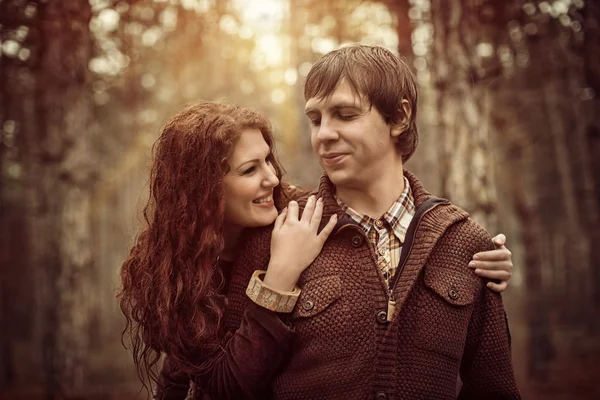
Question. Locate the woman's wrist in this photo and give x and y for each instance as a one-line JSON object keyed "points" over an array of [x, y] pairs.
{"points": [[280, 278], [271, 297]]}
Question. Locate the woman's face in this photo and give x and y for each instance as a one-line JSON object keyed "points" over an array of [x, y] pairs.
{"points": [[249, 183]]}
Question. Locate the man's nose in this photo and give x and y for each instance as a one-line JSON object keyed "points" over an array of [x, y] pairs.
{"points": [[327, 131]]}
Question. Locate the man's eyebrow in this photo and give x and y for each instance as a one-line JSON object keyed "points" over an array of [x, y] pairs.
{"points": [[346, 105], [335, 107]]}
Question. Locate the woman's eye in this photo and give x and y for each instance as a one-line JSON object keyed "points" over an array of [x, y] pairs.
{"points": [[347, 116], [315, 122], [249, 170]]}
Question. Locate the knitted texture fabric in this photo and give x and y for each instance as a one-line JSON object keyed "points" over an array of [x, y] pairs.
{"points": [[446, 322]]}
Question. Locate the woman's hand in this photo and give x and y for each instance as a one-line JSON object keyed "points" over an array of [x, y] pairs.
{"points": [[295, 243], [494, 264]]}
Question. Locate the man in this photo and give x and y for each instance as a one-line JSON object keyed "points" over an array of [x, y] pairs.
{"points": [[390, 308]]}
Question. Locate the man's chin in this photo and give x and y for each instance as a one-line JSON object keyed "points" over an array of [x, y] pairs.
{"points": [[339, 178]]}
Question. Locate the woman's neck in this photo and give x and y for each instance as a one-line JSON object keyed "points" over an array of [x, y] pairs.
{"points": [[231, 234]]}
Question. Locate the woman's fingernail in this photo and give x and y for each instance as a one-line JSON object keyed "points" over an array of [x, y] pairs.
{"points": [[472, 264], [476, 257], [478, 271]]}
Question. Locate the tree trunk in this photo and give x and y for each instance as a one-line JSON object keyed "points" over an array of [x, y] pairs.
{"points": [[16, 298], [591, 54], [463, 104], [60, 177]]}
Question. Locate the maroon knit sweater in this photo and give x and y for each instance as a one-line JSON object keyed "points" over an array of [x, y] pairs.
{"points": [[446, 323]]}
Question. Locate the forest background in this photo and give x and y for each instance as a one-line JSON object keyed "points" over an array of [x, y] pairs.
{"points": [[509, 119]]}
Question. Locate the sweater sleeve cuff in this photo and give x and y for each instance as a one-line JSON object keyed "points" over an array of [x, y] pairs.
{"points": [[278, 324]]}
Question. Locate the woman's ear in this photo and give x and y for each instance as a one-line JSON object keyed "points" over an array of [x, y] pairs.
{"points": [[405, 115]]}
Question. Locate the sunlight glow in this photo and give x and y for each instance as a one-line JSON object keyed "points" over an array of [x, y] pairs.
{"points": [[270, 47], [11, 48], [229, 25], [278, 96], [263, 21], [263, 15], [485, 49], [324, 45], [201, 6], [168, 19], [290, 76]]}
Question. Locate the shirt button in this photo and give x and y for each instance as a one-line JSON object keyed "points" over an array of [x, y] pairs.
{"points": [[378, 223], [381, 396], [308, 305], [382, 316], [381, 251], [357, 241]]}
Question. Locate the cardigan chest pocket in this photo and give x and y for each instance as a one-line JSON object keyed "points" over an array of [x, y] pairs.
{"points": [[317, 295], [319, 320], [444, 310]]}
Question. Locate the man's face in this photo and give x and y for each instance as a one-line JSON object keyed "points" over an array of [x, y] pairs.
{"points": [[351, 139]]}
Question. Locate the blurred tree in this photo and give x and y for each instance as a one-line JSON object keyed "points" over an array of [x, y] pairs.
{"points": [[499, 84], [461, 77], [16, 97], [58, 168], [591, 96]]}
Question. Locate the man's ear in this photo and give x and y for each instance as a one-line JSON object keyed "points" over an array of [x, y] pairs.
{"points": [[405, 113]]}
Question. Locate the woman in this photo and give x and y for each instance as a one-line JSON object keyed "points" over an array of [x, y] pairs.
{"points": [[213, 174]]}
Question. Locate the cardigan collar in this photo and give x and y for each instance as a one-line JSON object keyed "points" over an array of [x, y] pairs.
{"points": [[442, 218]]}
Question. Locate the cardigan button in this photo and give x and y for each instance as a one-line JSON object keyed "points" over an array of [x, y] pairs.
{"points": [[308, 305], [453, 294], [381, 396], [357, 241], [382, 316]]}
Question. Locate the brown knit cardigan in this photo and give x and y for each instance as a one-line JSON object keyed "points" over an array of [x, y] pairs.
{"points": [[445, 324]]}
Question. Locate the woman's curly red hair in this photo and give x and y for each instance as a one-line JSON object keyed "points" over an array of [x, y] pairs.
{"points": [[168, 292]]}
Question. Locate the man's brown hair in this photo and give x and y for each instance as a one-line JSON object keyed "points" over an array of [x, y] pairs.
{"points": [[377, 74]]}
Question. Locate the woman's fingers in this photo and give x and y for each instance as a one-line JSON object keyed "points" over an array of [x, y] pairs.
{"points": [[292, 213], [492, 265], [499, 240], [309, 209], [501, 254], [315, 221], [280, 219], [326, 231], [496, 275], [497, 287]]}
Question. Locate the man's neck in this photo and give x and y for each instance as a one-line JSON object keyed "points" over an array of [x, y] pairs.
{"points": [[376, 198]]}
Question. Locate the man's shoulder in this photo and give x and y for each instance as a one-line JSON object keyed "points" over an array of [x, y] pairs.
{"points": [[448, 263], [302, 199], [254, 248], [465, 238], [256, 239]]}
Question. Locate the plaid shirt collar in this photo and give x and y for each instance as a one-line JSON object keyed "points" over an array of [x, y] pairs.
{"points": [[398, 216]]}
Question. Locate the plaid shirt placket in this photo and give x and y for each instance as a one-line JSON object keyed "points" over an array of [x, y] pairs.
{"points": [[387, 233]]}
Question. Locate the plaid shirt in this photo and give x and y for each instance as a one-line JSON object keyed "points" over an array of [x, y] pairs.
{"points": [[387, 232]]}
